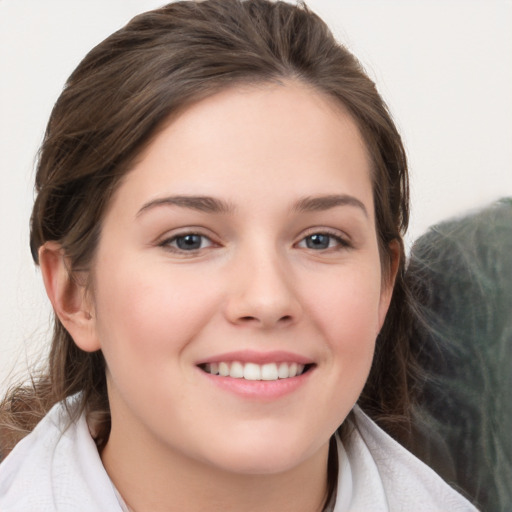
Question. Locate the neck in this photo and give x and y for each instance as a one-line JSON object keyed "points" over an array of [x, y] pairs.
{"points": [[161, 481]]}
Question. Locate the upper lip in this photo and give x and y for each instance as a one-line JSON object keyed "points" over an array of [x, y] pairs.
{"points": [[253, 356]]}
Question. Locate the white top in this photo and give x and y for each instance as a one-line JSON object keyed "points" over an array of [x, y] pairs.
{"points": [[55, 471]]}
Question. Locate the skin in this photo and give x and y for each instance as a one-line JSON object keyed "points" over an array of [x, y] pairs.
{"points": [[257, 282]]}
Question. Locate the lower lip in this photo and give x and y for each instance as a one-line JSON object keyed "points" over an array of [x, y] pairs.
{"points": [[259, 389]]}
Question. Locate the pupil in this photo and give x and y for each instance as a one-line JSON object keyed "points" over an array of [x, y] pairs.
{"points": [[189, 242], [317, 242]]}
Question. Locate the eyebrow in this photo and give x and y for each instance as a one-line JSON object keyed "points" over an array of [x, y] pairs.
{"points": [[213, 205], [199, 203], [320, 203]]}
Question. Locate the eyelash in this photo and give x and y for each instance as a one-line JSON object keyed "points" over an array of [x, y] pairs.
{"points": [[340, 242], [167, 243]]}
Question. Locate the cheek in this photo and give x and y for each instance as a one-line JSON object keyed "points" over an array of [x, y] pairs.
{"points": [[147, 313], [351, 331], [344, 314], [347, 316], [347, 307]]}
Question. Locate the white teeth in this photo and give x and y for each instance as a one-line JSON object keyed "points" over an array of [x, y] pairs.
{"points": [[237, 370], [253, 371], [283, 371], [269, 372], [224, 369]]}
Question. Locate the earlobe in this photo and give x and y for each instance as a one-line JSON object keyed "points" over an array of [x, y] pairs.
{"points": [[68, 297]]}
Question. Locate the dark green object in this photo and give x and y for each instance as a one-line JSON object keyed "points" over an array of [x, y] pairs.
{"points": [[461, 274]]}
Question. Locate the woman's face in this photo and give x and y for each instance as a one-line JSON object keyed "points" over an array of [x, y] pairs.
{"points": [[242, 242]]}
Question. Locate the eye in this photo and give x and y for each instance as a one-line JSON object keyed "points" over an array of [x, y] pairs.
{"points": [[322, 241], [187, 242]]}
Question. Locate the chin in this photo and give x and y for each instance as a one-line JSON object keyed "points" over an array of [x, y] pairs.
{"points": [[264, 456], [260, 464]]}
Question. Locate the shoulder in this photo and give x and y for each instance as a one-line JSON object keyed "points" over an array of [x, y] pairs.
{"points": [[385, 476], [56, 467]]}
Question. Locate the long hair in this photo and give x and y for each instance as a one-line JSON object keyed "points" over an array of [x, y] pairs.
{"points": [[112, 106]]}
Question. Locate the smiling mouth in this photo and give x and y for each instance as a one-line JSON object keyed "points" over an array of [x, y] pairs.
{"points": [[254, 371]]}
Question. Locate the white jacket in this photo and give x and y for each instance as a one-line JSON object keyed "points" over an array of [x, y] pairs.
{"points": [[55, 471]]}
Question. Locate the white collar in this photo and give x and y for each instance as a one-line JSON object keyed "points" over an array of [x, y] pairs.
{"points": [[53, 471]]}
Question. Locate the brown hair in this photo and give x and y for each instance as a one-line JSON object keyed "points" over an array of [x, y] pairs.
{"points": [[110, 109]]}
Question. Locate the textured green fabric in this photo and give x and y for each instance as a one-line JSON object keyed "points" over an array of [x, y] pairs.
{"points": [[461, 273]]}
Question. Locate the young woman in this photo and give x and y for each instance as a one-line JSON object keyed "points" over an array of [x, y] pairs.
{"points": [[222, 196]]}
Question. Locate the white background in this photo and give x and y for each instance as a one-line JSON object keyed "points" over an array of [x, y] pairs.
{"points": [[444, 67]]}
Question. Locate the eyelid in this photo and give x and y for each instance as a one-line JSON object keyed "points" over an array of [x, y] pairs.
{"points": [[340, 236], [165, 240]]}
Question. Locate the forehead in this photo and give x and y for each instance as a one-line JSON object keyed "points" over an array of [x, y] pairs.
{"points": [[255, 139]]}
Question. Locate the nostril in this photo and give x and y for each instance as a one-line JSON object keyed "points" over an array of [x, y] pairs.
{"points": [[285, 319]]}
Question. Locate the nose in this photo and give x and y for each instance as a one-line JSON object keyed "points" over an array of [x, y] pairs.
{"points": [[262, 292]]}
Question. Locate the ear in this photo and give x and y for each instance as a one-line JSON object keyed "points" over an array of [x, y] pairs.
{"points": [[388, 281], [69, 297]]}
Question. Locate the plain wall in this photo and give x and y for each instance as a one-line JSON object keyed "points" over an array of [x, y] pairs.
{"points": [[444, 67]]}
